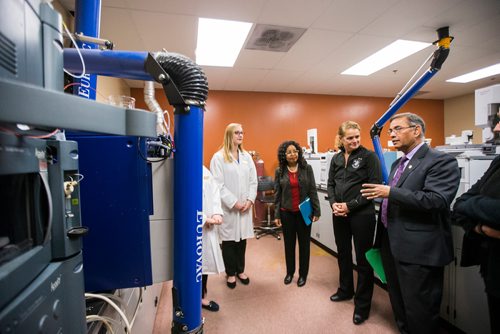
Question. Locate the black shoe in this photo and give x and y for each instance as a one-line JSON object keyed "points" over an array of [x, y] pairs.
{"points": [[212, 306], [288, 279], [358, 319], [244, 281], [231, 285], [338, 297], [301, 281]]}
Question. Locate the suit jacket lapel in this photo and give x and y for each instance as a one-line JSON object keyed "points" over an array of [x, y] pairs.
{"points": [[413, 163]]}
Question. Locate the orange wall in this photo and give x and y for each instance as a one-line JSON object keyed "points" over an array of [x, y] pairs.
{"points": [[270, 118]]}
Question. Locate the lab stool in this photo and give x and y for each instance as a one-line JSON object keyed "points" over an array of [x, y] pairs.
{"points": [[264, 186]]}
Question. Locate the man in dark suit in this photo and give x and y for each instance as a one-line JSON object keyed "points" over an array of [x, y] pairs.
{"points": [[415, 234]]}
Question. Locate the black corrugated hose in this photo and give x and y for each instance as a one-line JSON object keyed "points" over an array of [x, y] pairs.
{"points": [[186, 74]]}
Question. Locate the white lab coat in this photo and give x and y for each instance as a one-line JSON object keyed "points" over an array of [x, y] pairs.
{"points": [[212, 254], [238, 182]]}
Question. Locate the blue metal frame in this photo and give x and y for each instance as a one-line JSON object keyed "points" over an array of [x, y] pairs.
{"points": [[439, 57], [392, 110]]}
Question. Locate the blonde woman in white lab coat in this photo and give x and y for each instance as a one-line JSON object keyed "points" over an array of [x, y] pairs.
{"points": [[234, 170], [212, 218]]}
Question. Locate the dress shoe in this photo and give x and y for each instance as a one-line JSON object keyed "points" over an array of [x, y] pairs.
{"points": [[212, 306], [338, 297], [358, 319], [244, 281], [231, 285], [288, 279], [301, 281]]}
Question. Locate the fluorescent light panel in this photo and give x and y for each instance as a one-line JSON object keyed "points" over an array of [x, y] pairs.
{"points": [[391, 54], [476, 75], [220, 41]]}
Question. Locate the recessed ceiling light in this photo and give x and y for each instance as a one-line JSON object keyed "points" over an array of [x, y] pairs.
{"points": [[476, 75], [391, 54], [220, 41]]}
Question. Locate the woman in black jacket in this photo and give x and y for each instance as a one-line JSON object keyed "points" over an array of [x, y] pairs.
{"points": [[477, 211], [293, 183], [353, 216]]}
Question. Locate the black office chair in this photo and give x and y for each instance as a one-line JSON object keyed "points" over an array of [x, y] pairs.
{"points": [[264, 187]]}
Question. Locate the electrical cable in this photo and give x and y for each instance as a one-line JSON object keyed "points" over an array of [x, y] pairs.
{"points": [[136, 312], [104, 320], [402, 91], [113, 305], [81, 75]]}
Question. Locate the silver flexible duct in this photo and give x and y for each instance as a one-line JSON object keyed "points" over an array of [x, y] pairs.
{"points": [[153, 105]]}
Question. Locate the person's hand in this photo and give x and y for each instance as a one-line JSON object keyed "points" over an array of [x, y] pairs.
{"points": [[238, 206], [315, 219], [487, 231], [217, 219], [340, 209], [371, 191], [277, 221], [248, 204]]}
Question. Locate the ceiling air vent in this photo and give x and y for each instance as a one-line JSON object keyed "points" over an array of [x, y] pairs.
{"points": [[273, 38]]}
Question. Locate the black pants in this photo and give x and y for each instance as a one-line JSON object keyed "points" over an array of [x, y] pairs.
{"points": [[361, 229], [233, 253], [294, 228], [415, 292], [204, 281], [494, 308]]}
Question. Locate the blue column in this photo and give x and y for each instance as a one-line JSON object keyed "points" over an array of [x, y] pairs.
{"points": [[188, 176], [87, 21]]}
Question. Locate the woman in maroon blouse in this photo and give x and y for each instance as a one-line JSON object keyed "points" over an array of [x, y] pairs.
{"points": [[293, 183]]}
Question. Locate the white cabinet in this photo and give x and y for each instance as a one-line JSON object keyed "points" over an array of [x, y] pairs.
{"points": [[322, 230]]}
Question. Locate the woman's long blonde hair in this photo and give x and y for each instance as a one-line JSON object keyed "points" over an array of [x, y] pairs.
{"points": [[227, 144], [343, 129]]}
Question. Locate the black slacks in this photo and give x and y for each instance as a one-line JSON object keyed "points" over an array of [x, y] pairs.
{"points": [[294, 228], [204, 281], [415, 291], [494, 309], [361, 230], [233, 254]]}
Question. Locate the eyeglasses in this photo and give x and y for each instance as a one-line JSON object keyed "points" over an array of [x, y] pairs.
{"points": [[398, 129], [239, 133], [292, 152]]}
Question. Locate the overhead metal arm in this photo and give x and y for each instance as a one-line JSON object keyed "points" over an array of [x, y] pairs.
{"points": [[439, 56]]}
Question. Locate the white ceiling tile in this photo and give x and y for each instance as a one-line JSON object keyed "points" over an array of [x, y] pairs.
{"points": [[351, 16], [275, 80], [245, 79], [258, 59], [120, 29], [183, 41], [217, 76], [301, 58], [292, 13]]}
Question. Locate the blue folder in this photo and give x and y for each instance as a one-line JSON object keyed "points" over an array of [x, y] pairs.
{"points": [[306, 210]]}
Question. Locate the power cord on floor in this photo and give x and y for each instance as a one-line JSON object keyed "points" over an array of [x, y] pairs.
{"points": [[113, 305]]}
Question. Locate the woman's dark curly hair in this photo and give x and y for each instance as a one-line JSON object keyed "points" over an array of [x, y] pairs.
{"points": [[282, 155]]}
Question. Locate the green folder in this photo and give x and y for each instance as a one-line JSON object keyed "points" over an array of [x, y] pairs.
{"points": [[375, 259]]}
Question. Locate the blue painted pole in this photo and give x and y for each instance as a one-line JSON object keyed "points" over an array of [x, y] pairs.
{"points": [[392, 110], [188, 164], [87, 21]]}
